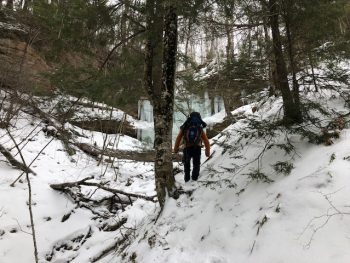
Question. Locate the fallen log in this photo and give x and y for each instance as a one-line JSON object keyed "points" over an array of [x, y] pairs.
{"points": [[106, 126], [116, 226], [66, 137], [14, 162], [112, 247], [63, 186], [145, 156]]}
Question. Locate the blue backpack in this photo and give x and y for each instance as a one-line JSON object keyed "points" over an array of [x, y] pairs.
{"points": [[193, 129]]}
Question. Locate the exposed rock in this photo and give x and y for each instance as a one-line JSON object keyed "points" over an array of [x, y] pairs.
{"points": [[106, 126], [22, 67], [214, 130]]}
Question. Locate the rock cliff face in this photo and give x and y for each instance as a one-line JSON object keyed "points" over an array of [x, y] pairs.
{"points": [[22, 67]]}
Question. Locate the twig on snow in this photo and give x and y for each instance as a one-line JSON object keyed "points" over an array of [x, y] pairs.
{"points": [[36, 157], [21, 166], [29, 199]]}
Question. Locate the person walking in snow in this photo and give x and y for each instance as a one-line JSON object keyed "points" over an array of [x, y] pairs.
{"points": [[193, 135]]}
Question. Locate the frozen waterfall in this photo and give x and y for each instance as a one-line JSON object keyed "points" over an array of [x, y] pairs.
{"points": [[205, 105]]}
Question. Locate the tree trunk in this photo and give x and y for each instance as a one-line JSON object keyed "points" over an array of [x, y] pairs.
{"points": [[292, 60], [188, 37], [271, 74], [230, 43], [9, 4], [165, 180], [159, 82], [26, 5], [227, 104], [313, 71], [250, 44], [292, 112], [153, 49], [124, 31]]}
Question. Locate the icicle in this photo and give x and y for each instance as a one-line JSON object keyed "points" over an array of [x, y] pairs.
{"points": [[207, 105]]}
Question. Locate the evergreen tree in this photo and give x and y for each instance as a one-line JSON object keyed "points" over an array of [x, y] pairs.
{"points": [[291, 105]]}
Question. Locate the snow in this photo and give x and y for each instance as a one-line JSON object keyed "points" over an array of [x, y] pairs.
{"points": [[220, 221], [49, 206], [12, 27], [226, 216]]}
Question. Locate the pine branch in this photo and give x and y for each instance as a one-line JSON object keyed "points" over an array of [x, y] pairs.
{"points": [[118, 45]]}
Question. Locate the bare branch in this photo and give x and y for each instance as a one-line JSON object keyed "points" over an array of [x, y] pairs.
{"points": [[118, 45], [14, 162], [332, 212], [29, 199], [62, 186], [36, 157]]}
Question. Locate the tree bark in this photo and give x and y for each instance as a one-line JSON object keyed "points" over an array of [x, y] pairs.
{"points": [[9, 4], [313, 71], [159, 81], [292, 112], [271, 75], [26, 4], [292, 59], [230, 44], [153, 49], [188, 36], [228, 101], [163, 120]]}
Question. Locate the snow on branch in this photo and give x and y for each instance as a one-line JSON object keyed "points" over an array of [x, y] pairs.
{"points": [[63, 186]]}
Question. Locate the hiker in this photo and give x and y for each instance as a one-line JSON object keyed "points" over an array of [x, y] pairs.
{"points": [[192, 133]]}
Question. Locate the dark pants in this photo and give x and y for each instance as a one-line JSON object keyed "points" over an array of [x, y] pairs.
{"points": [[194, 153]]}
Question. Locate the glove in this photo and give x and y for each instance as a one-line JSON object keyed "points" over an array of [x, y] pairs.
{"points": [[207, 152]]}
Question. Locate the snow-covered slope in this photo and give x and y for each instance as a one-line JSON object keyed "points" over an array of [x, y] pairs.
{"points": [[245, 207], [230, 217], [65, 230]]}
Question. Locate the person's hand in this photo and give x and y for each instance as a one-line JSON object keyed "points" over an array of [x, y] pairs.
{"points": [[207, 152]]}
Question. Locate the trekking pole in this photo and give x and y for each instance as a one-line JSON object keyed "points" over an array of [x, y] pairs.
{"points": [[210, 156]]}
